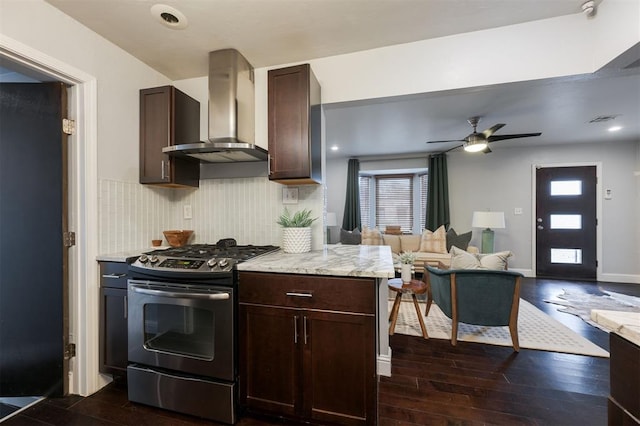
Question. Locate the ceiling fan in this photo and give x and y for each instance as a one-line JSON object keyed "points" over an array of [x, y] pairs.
{"points": [[479, 142]]}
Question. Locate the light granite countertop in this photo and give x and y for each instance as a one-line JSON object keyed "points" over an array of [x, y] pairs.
{"points": [[336, 260], [626, 324]]}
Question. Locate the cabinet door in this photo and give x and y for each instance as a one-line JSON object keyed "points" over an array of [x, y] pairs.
{"points": [[269, 359], [339, 383], [113, 330], [288, 102], [167, 117]]}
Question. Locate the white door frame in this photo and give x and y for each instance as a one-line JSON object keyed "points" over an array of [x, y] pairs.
{"points": [[598, 166], [84, 378]]}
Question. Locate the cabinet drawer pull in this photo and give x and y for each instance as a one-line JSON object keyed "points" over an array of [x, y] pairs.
{"points": [[114, 276], [294, 294], [295, 329], [304, 324]]}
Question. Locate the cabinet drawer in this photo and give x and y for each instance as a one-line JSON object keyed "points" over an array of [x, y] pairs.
{"points": [[309, 291], [113, 274]]}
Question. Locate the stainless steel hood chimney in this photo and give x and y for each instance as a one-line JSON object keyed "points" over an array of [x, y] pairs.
{"points": [[231, 113]]}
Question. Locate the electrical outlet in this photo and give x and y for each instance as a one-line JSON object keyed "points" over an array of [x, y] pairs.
{"points": [[186, 211], [289, 195], [517, 210]]}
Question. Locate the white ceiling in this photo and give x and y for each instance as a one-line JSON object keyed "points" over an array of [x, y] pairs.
{"points": [[272, 32]]}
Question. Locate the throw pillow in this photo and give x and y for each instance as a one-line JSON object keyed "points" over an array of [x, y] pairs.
{"points": [[350, 237], [434, 242], [495, 260], [461, 259], [371, 237], [460, 241], [393, 241]]}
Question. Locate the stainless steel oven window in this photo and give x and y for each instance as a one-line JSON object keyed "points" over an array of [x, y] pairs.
{"points": [[180, 330]]}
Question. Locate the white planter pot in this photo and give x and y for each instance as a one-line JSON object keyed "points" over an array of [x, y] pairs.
{"points": [[405, 272], [296, 240]]}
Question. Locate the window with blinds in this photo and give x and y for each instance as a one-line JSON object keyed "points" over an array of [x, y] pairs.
{"points": [[394, 201], [424, 181], [391, 200], [365, 201]]}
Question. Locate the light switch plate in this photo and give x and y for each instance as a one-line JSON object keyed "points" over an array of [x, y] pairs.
{"points": [[186, 211], [517, 210]]}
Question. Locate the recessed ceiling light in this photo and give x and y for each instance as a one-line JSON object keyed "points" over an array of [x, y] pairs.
{"points": [[169, 16], [614, 128], [334, 148]]}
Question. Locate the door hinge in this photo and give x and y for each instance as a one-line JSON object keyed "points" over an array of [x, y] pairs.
{"points": [[69, 239], [70, 351], [68, 126]]}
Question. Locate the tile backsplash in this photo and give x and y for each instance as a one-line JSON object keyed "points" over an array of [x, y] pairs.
{"points": [[131, 214]]}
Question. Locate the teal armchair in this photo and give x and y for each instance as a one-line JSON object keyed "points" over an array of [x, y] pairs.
{"points": [[477, 297]]}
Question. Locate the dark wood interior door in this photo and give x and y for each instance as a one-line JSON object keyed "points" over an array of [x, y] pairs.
{"points": [[32, 255], [566, 223]]}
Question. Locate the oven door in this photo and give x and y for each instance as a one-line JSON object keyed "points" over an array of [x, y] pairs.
{"points": [[183, 328]]}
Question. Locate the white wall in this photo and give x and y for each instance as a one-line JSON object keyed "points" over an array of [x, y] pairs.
{"points": [[502, 181]]}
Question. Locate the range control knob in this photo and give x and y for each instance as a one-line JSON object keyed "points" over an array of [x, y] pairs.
{"points": [[153, 258], [143, 258], [223, 263], [211, 262]]}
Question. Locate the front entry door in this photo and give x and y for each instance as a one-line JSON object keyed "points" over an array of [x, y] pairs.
{"points": [[566, 222], [32, 255]]}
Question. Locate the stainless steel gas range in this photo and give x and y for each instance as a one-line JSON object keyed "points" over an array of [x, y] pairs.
{"points": [[182, 323]]}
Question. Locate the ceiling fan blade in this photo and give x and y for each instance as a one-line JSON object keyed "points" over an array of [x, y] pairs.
{"points": [[491, 130], [453, 140], [486, 150], [451, 149], [503, 137]]}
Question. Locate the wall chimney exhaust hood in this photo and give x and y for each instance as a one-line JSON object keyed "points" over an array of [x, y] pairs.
{"points": [[231, 114]]}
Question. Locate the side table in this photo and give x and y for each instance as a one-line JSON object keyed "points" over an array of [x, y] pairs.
{"points": [[413, 287]]}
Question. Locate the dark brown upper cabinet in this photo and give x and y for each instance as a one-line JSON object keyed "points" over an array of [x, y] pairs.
{"points": [[295, 122], [168, 117]]}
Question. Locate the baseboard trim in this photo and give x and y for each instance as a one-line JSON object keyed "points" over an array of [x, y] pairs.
{"points": [[526, 272], [620, 278], [384, 364]]}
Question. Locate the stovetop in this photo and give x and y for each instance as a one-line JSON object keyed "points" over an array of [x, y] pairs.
{"points": [[208, 251], [197, 259]]}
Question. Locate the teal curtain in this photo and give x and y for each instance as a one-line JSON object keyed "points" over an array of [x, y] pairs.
{"points": [[437, 193], [351, 217]]}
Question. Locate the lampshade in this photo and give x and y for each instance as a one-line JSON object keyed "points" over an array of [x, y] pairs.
{"points": [[331, 219], [488, 220]]}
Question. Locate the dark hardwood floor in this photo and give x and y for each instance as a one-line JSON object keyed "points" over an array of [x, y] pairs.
{"points": [[432, 382]]}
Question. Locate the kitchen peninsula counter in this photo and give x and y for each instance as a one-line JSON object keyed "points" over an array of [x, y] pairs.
{"points": [[352, 261], [336, 260]]}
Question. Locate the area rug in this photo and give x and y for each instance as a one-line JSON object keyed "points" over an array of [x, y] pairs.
{"points": [[581, 304], [536, 330]]}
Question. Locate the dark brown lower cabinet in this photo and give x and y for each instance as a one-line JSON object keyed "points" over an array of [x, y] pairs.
{"points": [[113, 318], [624, 367], [313, 365]]}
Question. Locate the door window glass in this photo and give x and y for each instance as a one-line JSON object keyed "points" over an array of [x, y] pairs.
{"points": [[566, 187], [570, 256], [181, 330], [565, 221]]}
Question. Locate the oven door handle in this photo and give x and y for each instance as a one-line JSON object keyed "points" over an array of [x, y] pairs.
{"points": [[208, 296]]}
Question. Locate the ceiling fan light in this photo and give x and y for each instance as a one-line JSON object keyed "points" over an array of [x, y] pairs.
{"points": [[475, 146]]}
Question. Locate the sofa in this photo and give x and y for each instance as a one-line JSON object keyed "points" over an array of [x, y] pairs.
{"points": [[430, 246]]}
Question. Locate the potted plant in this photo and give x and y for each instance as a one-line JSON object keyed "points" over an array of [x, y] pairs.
{"points": [[407, 260], [296, 236]]}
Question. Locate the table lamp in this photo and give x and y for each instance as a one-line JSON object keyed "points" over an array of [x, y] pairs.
{"points": [[487, 220]]}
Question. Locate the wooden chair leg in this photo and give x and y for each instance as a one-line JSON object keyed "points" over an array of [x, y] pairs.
{"points": [[394, 313], [422, 326], [513, 330]]}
